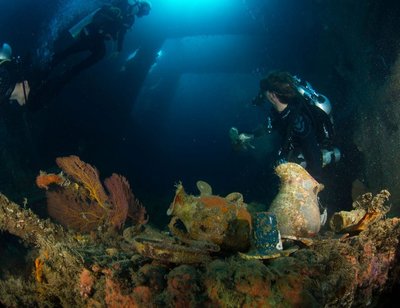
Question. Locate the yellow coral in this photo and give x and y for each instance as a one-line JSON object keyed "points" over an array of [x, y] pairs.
{"points": [[39, 262], [39, 270], [85, 174]]}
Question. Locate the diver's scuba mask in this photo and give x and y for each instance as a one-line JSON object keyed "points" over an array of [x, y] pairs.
{"points": [[259, 99]]}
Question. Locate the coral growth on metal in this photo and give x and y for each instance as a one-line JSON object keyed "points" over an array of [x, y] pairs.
{"points": [[168, 250], [367, 210], [78, 270]]}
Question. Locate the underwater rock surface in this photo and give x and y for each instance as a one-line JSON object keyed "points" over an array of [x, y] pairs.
{"points": [[71, 269]]}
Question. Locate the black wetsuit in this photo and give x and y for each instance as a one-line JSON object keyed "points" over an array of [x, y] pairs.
{"points": [[298, 136], [110, 22], [8, 79]]}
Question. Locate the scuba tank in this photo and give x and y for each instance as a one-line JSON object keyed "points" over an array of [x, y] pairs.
{"points": [[311, 96], [320, 109], [77, 29]]}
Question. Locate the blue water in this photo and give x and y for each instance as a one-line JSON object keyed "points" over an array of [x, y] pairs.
{"points": [[167, 120]]}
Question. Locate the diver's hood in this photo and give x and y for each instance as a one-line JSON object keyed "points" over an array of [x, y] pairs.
{"points": [[5, 52]]}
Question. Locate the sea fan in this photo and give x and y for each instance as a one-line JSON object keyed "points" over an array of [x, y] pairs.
{"points": [[83, 205], [72, 209]]}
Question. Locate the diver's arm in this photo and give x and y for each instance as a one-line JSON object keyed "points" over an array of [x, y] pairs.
{"points": [[267, 126], [243, 140], [260, 131]]}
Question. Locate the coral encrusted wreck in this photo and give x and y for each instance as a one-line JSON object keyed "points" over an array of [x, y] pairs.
{"points": [[102, 268]]}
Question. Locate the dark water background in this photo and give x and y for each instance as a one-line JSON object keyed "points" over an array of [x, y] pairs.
{"points": [[164, 117]]}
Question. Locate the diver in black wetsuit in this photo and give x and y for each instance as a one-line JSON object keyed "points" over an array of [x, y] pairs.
{"points": [[292, 121], [110, 22], [297, 122], [12, 86]]}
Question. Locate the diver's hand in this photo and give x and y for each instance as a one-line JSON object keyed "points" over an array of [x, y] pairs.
{"points": [[245, 138], [240, 141]]}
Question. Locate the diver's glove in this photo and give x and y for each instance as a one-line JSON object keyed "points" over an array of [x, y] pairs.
{"points": [[240, 141]]}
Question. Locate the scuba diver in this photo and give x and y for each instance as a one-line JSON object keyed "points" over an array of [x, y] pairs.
{"points": [[12, 86], [301, 117], [110, 22]]}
